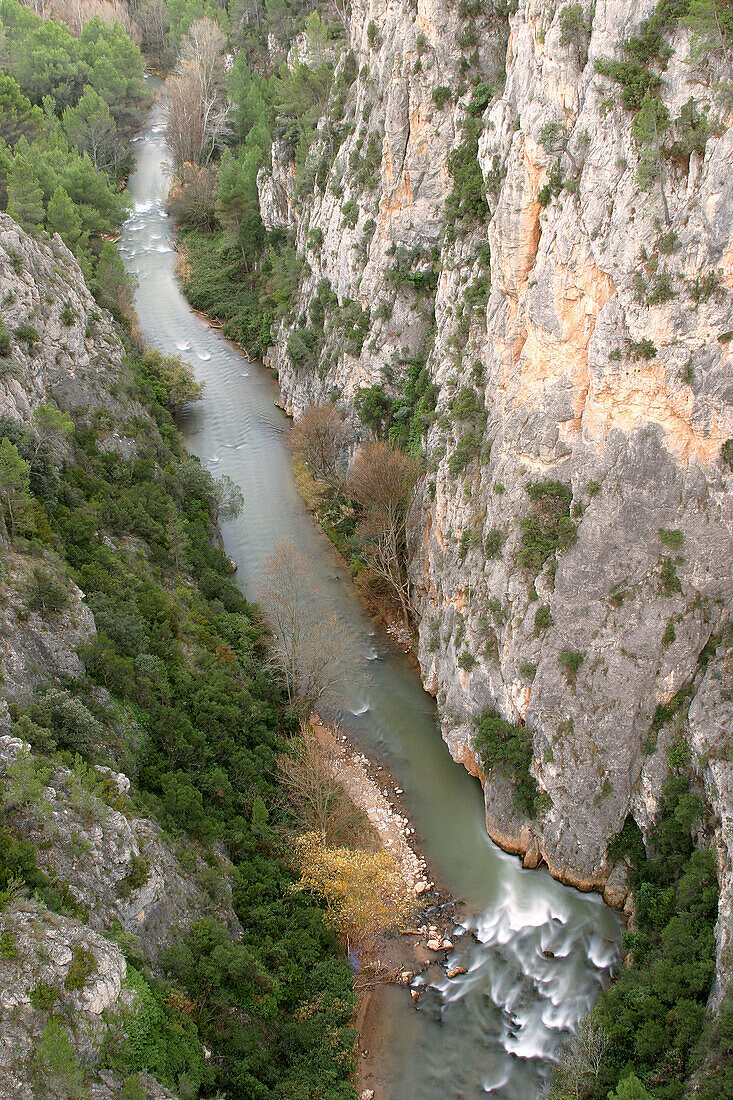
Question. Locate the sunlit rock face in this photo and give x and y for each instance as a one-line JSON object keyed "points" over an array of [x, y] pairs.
{"points": [[600, 358]]}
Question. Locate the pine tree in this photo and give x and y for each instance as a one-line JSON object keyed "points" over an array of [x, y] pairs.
{"points": [[63, 218], [708, 23], [25, 198]]}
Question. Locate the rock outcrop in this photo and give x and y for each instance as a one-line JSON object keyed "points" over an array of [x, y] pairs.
{"points": [[572, 566], [62, 345]]}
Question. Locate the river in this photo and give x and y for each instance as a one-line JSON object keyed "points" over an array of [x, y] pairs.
{"points": [[540, 951]]}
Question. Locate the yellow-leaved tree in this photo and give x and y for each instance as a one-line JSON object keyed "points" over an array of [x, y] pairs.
{"points": [[364, 892]]}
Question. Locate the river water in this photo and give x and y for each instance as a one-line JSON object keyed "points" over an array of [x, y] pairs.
{"points": [[538, 952]]}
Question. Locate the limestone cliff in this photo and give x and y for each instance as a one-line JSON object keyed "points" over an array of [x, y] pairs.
{"points": [[573, 564]]}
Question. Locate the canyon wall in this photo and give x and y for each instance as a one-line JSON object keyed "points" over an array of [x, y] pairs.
{"points": [[572, 315]]}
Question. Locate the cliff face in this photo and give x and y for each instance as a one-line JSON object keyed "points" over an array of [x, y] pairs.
{"points": [[582, 318], [62, 344]]}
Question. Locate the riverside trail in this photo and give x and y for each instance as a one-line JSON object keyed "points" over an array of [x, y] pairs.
{"points": [[536, 953]]}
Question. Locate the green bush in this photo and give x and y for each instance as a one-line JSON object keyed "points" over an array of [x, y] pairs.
{"points": [[549, 528], [83, 965], [669, 582], [726, 453], [27, 334], [466, 449], [46, 593], [542, 619], [571, 660], [492, 545], [350, 213], [672, 539], [670, 634], [136, 877], [470, 540], [635, 80], [8, 945], [4, 340], [373, 407], [44, 995], [703, 287], [466, 204], [507, 749], [642, 349], [441, 96]]}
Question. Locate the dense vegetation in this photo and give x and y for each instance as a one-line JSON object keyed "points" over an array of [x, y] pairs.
{"points": [[655, 1012], [196, 721], [67, 108]]}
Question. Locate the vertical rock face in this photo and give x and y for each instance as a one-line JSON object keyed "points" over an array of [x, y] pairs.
{"points": [[594, 346], [60, 343]]}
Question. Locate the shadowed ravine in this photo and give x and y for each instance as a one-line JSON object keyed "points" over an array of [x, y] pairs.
{"points": [[543, 949]]}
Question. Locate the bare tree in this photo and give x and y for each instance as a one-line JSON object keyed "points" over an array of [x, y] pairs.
{"points": [[312, 649], [192, 198], [318, 439], [203, 47], [76, 13], [383, 481], [197, 108], [152, 19], [583, 1056], [343, 10], [315, 797]]}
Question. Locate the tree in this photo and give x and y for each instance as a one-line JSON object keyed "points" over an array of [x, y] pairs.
{"points": [[47, 593], [237, 197], [197, 109], [228, 498], [112, 286], [630, 1088], [25, 197], [710, 23], [152, 19], [192, 198], [55, 1063], [364, 892], [173, 380], [383, 481], [583, 1056], [62, 217], [650, 122], [17, 117], [315, 798], [14, 486], [318, 439], [374, 407], [53, 427], [312, 646], [574, 31], [90, 127]]}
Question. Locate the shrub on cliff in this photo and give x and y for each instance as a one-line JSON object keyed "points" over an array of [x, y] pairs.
{"points": [[549, 528], [508, 749]]}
